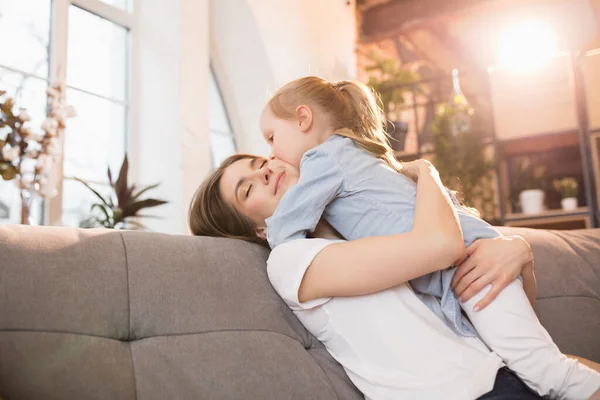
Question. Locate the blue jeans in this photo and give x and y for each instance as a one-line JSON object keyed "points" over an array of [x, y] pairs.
{"points": [[508, 386]]}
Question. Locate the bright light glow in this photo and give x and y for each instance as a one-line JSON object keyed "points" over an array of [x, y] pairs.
{"points": [[526, 46]]}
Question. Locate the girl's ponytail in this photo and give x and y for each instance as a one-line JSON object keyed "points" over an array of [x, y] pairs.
{"points": [[351, 108], [368, 124]]}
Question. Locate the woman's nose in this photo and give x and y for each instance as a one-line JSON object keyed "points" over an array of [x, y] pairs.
{"points": [[265, 174]]}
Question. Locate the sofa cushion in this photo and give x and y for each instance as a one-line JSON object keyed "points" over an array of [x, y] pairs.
{"points": [[99, 314]]}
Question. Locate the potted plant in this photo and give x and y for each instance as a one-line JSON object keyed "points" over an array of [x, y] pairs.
{"points": [[391, 81], [529, 182], [462, 162], [567, 187], [116, 210]]}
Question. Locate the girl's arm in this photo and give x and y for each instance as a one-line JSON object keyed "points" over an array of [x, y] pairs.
{"points": [[373, 264]]}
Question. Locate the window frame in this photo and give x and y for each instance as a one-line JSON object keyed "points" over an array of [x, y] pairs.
{"points": [[59, 25], [231, 134]]}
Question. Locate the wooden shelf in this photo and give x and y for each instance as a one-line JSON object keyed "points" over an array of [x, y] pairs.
{"points": [[538, 118], [547, 214], [552, 219], [539, 143]]}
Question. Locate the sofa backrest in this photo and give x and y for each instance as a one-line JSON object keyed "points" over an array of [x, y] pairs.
{"points": [[100, 314], [567, 270]]}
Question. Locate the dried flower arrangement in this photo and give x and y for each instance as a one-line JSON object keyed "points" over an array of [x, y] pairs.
{"points": [[28, 156]]}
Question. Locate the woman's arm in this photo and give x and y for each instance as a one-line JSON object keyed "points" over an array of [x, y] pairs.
{"points": [[498, 262], [372, 264], [529, 283]]}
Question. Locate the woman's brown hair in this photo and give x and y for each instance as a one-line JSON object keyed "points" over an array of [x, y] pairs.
{"points": [[210, 215]]}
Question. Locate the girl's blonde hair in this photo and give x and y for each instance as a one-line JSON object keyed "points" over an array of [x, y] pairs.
{"points": [[351, 107], [211, 215]]}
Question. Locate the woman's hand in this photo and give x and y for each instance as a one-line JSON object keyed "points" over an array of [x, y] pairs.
{"points": [[498, 261]]}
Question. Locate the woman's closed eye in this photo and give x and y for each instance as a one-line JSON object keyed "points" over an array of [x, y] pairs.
{"points": [[262, 165]]}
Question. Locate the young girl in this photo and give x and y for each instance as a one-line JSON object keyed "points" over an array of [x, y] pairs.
{"points": [[349, 175]]}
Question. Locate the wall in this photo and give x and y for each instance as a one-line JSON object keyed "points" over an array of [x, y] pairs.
{"points": [[170, 119], [258, 45], [255, 46]]}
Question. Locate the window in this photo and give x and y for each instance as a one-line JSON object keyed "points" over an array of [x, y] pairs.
{"points": [[86, 45], [24, 66], [222, 142], [97, 82]]}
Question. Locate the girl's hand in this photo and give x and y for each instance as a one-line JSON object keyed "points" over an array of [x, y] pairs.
{"points": [[498, 261], [412, 168], [325, 231]]}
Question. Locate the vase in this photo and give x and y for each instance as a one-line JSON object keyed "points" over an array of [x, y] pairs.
{"points": [[532, 201], [28, 200], [569, 203]]}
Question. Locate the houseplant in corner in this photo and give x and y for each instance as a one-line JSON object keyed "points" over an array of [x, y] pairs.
{"points": [[391, 81], [567, 187], [460, 157], [119, 208]]}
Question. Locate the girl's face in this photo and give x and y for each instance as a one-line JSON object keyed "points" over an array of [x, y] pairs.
{"points": [[255, 186], [288, 139]]}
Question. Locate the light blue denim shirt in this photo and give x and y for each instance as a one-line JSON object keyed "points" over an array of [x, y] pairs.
{"points": [[361, 196]]}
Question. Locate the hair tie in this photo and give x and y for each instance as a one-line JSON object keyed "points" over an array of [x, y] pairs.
{"points": [[339, 85]]}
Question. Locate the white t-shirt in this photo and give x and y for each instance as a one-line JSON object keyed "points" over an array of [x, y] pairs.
{"points": [[390, 344]]}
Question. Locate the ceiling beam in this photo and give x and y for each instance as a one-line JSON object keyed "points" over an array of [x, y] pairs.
{"points": [[397, 16]]}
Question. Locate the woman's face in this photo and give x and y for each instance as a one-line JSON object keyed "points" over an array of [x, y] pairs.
{"points": [[255, 186]]}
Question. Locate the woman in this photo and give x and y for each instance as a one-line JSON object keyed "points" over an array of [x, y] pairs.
{"points": [[352, 295]]}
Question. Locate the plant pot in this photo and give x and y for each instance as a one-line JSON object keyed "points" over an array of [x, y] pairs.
{"points": [[569, 203], [532, 201], [397, 130]]}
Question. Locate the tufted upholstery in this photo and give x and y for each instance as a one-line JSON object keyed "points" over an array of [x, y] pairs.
{"points": [[99, 314]]}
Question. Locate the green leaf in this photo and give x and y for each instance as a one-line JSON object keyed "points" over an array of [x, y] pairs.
{"points": [[118, 215], [147, 203], [104, 210], [121, 184], [141, 192], [127, 196], [149, 216], [94, 191], [110, 180]]}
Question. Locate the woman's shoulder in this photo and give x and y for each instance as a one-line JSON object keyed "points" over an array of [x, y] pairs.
{"points": [[298, 251], [287, 265]]}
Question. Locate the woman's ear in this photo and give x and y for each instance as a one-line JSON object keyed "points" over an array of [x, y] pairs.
{"points": [[304, 116], [262, 233]]}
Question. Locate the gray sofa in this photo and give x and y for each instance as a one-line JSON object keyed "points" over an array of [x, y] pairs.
{"points": [[99, 314]]}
